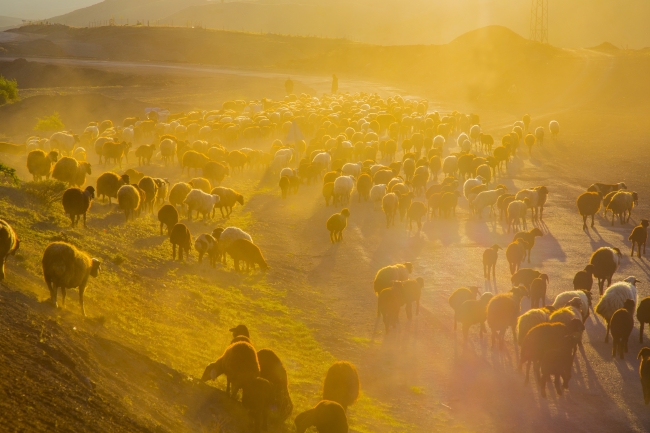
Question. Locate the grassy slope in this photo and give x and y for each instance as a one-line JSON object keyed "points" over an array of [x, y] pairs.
{"points": [[179, 313]]}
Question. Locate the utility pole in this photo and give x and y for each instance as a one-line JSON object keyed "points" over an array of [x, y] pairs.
{"points": [[539, 21]]}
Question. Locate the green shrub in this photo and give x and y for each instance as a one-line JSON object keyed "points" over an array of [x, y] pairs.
{"points": [[47, 192], [8, 90], [9, 173], [49, 123]]}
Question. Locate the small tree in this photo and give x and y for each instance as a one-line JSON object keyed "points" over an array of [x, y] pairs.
{"points": [[9, 173], [49, 123], [8, 90]]}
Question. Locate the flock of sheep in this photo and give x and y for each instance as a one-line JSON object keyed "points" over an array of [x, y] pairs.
{"points": [[352, 147]]}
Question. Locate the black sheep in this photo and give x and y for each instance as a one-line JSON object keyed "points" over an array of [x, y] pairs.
{"points": [[181, 236], [168, 216], [77, 202], [584, 279], [621, 326], [326, 416]]}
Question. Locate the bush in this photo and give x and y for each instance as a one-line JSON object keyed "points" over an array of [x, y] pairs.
{"points": [[49, 123], [47, 192], [9, 173], [8, 90]]}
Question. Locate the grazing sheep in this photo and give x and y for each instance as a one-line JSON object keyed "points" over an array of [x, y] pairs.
{"points": [[473, 312], [109, 183], [539, 134], [326, 416], [605, 265], [256, 397], [538, 291], [584, 280], [623, 202], [226, 236], [77, 203], [128, 199], [65, 267], [614, 298], [502, 313], [529, 238], [416, 212], [181, 236], [386, 275], [515, 253], [240, 365], [490, 256], [228, 199], [40, 164], [458, 297], [71, 171], [564, 298], [206, 244], [272, 369], [639, 236], [178, 193], [168, 216], [588, 205], [200, 202], [248, 252], [622, 324], [516, 213], [336, 224], [644, 373], [9, 244], [530, 319], [643, 315], [341, 384]]}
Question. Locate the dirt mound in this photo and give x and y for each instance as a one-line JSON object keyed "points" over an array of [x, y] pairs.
{"points": [[60, 377]]}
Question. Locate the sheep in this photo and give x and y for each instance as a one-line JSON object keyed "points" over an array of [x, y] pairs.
{"points": [[323, 160], [570, 314], [622, 203], [193, 159], [180, 235], [386, 275], [65, 267], [201, 183], [639, 236], [614, 298], [256, 397], [63, 141], [538, 291], [605, 265], [205, 243], [502, 313], [502, 204], [248, 252], [588, 205], [605, 188], [516, 213], [343, 186], [228, 198], [226, 236], [450, 165], [525, 277], [644, 373], [336, 224], [530, 319], [377, 193], [144, 153], [515, 253], [341, 384], [326, 416], [415, 212], [128, 199], [71, 171], [178, 193], [554, 127], [458, 297], [200, 202], [215, 171], [77, 203], [529, 238], [272, 369], [584, 280], [168, 216], [168, 149], [411, 292], [564, 298], [470, 184], [389, 204], [9, 244], [150, 187], [352, 169], [472, 312], [448, 203], [536, 199], [490, 256], [643, 315], [284, 186], [539, 135], [39, 163], [622, 324], [109, 183], [115, 151], [134, 175], [485, 199], [240, 365], [557, 360]]}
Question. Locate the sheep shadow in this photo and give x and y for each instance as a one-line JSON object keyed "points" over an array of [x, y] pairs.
{"points": [[546, 248]]}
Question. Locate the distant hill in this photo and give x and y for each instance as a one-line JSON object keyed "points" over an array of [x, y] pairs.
{"points": [[576, 23], [9, 22]]}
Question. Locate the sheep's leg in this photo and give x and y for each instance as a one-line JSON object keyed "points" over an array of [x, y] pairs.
{"points": [[641, 325], [607, 334], [173, 251], [85, 220], [632, 254]]}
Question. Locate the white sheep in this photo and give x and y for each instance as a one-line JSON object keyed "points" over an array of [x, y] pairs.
{"points": [[563, 298], [485, 199], [200, 202], [322, 159], [554, 127], [92, 131], [623, 202], [168, 150], [539, 135], [461, 139], [389, 205], [377, 193], [343, 186], [475, 133], [533, 199], [438, 141], [529, 320], [615, 296], [352, 169], [128, 135], [63, 141], [288, 172], [206, 244], [228, 236], [450, 165], [471, 183], [515, 213], [375, 168]]}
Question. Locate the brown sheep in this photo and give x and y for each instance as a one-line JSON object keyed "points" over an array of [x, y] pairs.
{"points": [[109, 183], [588, 205], [644, 373], [272, 369], [529, 238], [240, 365], [341, 384], [639, 236], [115, 151], [389, 303], [128, 198], [149, 186], [336, 224], [193, 159], [40, 164], [284, 184], [326, 416], [181, 236], [246, 251], [71, 171], [215, 172], [643, 315], [9, 244], [416, 211], [228, 198], [364, 183], [472, 312], [515, 253], [65, 267], [459, 296], [584, 280], [134, 175], [412, 293], [168, 216], [144, 153], [490, 256], [621, 326], [448, 203], [77, 202], [502, 313], [538, 291], [328, 192]]}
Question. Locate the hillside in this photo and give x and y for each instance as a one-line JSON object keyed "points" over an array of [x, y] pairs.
{"points": [[578, 23], [9, 22]]}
